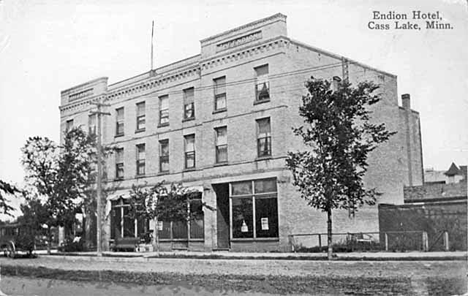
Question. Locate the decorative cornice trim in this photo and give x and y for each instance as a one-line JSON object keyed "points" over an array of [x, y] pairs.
{"points": [[245, 52], [277, 16]]}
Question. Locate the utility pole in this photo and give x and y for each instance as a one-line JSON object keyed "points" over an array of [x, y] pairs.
{"points": [[99, 113], [344, 66]]}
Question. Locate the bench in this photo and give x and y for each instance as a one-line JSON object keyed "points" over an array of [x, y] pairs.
{"points": [[125, 244]]}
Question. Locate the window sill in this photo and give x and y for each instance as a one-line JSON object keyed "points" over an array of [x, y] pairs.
{"points": [[119, 135], [118, 179], [255, 239], [261, 102], [260, 158], [163, 173], [188, 119], [219, 111], [140, 130], [221, 164], [139, 176], [189, 169], [163, 124]]}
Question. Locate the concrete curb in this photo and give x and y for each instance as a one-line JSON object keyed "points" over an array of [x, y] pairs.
{"points": [[410, 256]]}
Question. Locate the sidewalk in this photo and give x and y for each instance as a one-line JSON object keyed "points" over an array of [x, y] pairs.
{"points": [[354, 256]]}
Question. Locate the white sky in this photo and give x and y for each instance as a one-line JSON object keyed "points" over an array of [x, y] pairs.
{"points": [[48, 46]]}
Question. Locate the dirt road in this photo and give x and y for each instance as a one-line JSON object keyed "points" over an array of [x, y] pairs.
{"points": [[252, 276]]}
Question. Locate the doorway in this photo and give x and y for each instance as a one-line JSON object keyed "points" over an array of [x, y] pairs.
{"points": [[222, 217]]}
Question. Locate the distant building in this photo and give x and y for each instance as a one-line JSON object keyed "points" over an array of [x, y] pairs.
{"points": [[438, 206], [220, 122], [453, 175]]}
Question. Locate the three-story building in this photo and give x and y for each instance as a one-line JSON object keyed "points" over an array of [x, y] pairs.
{"points": [[221, 123]]}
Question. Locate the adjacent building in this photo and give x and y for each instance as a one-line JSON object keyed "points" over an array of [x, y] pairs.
{"points": [[438, 207], [221, 123]]}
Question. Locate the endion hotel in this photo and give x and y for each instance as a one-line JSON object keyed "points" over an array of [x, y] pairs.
{"points": [[221, 123]]}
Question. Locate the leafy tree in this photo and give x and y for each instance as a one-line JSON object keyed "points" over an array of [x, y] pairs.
{"points": [[6, 189], [61, 175], [162, 203], [339, 135]]}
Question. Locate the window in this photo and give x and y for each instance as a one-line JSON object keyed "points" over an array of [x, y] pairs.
{"points": [[254, 209], [68, 125], [183, 230], [189, 151], [92, 124], [262, 85], [164, 156], [119, 122], [189, 105], [263, 137], [197, 221], [119, 163], [124, 226], [221, 144], [93, 167], [335, 83], [140, 163], [141, 121], [220, 93], [164, 110]]}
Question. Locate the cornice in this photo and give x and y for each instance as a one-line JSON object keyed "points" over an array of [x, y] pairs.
{"points": [[245, 52], [277, 16]]}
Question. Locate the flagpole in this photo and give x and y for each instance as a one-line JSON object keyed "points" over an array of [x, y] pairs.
{"points": [[152, 33]]}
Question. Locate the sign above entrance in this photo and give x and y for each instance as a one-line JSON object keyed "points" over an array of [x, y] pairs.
{"points": [[239, 41]]}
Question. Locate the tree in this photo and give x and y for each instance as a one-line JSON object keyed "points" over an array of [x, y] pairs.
{"points": [[339, 135], [162, 203], [6, 189], [60, 176]]}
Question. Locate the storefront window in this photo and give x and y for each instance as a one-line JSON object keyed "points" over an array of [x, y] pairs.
{"points": [[242, 217], [261, 203], [124, 226], [180, 230]]}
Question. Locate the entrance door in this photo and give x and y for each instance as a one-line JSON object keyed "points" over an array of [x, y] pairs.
{"points": [[222, 202]]}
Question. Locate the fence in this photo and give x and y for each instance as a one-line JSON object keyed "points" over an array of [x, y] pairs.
{"points": [[367, 241]]}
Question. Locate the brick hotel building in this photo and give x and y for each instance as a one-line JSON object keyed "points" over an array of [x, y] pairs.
{"points": [[220, 123]]}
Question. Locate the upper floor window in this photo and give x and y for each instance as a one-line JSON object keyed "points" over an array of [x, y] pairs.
{"points": [[220, 93], [119, 122], [221, 144], [189, 151], [263, 137], [119, 163], [141, 121], [93, 167], [335, 83], [262, 84], [189, 104], [141, 156], [92, 124], [164, 110], [68, 125], [164, 156]]}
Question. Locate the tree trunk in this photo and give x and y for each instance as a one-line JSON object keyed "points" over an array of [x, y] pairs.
{"points": [[49, 241], [329, 234]]}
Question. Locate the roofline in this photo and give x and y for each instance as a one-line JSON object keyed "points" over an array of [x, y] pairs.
{"points": [[333, 55], [154, 71], [279, 16], [83, 84]]}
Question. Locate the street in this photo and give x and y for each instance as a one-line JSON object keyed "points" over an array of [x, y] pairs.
{"points": [[55, 275]]}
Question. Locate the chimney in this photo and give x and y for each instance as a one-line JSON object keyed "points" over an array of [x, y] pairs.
{"points": [[406, 101]]}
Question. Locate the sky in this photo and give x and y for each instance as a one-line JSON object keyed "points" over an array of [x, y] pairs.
{"points": [[48, 46]]}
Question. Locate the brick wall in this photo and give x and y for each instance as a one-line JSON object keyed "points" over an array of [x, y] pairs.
{"points": [[290, 63]]}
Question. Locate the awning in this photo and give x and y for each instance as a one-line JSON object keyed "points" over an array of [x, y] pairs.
{"points": [[114, 197]]}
